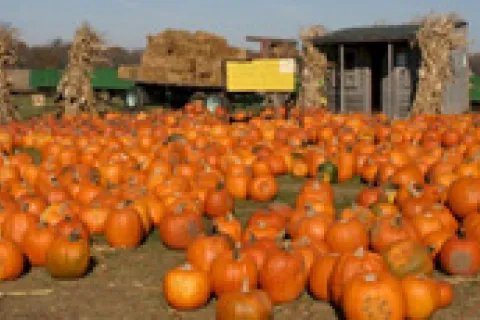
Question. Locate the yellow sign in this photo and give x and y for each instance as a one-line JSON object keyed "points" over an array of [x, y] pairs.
{"points": [[261, 75]]}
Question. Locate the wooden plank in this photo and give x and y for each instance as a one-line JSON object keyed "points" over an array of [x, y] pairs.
{"points": [[390, 107], [269, 39], [342, 78]]}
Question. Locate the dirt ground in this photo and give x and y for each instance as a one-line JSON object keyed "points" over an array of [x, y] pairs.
{"points": [[127, 284]]}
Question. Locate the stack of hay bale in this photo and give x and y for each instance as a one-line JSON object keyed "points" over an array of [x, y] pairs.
{"points": [[7, 59], [284, 50], [436, 38], [184, 58], [313, 71], [75, 85]]}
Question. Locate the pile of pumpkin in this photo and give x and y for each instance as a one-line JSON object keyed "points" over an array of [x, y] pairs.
{"points": [[123, 175]]}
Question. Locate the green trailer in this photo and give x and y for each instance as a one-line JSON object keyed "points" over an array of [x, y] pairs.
{"points": [[104, 80], [475, 90]]}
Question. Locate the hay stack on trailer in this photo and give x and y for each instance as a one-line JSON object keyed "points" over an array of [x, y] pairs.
{"points": [[183, 58], [8, 58]]}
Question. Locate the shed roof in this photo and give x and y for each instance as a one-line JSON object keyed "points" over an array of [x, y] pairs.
{"points": [[378, 33]]}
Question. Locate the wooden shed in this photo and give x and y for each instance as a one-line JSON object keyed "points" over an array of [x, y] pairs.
{"points": [[375, 69]]}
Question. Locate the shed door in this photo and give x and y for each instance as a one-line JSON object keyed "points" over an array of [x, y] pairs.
{"points": [[456, 92], [356, 81], [401, 85]]}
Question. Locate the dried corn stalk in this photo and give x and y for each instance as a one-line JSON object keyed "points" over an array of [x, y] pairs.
{"points": [[436, 38], [7, 58], [75, 86], [314, 68]]}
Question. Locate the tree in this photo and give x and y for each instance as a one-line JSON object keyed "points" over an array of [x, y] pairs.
{"points": [[8, 57]]}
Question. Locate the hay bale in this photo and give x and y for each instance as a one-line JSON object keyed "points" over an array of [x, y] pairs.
{"points": [[436, 38], [178, 56]]}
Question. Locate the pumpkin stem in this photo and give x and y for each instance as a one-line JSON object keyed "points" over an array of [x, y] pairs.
{"points": [[43, 223], [246, 285], [74, 236], [186, 267], [397, 221], [236, 251], [229, 217], [24, 206], [462, 233], [179, 208], [360, 252], [287, 245], [220, 185], [262, 224], [370, 277]]}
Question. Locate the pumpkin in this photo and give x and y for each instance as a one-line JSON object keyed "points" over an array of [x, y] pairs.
{"points": [[237, 185], [259, 249], [15, 225], [268, 218], [321, 274], [390, 229], [36, 242], [406, 175], [263, 188], [123, 227], [464, 196], [246, 304], [68, 257], [281, 209], [229, 269], [11, 260], [408, 257], [346, 236], [373, 295], [218, 202], [312, 225], [186, 287], [205, 249], [229, 226], [179, 228], [283, 275], [351, 264], [69, 224], [460, 256], [95, 216], [445, 293], [421, 297]]}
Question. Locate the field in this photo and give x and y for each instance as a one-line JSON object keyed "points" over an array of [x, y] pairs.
{"points": [[127, 284]]}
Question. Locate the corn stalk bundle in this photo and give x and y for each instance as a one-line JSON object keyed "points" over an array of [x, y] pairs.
{"points": [[75, 85], [314, 68], [182, 57], [8, 58], [436, 38]]}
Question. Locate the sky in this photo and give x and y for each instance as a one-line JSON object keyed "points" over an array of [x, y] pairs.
{"points": [[127, 22]]}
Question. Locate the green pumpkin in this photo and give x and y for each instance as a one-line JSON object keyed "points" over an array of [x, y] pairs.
{"points": [[328, 172], [407, 257]]}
